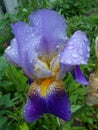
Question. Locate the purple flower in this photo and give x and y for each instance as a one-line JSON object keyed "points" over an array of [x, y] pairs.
{"points": [[45, 54]]}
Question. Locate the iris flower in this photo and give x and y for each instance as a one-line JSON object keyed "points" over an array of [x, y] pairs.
{"points": [[44, 52]]}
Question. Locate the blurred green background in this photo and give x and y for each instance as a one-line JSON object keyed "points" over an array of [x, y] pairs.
{"points": [[79, 15]]}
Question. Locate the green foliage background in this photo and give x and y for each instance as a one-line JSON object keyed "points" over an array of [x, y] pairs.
{"points": [[79, 15]]}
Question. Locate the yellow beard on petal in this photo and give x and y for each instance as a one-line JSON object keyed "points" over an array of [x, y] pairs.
{"points": [[45, 86]]}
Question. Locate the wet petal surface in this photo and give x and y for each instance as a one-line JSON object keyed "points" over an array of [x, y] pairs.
{"points": [[12, 53], [53, 33], [76, 50]]}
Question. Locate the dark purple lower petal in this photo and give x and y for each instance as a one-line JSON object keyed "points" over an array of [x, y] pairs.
{"points": [[54, 102], [59, 105], [78, 76], [34, 108]]}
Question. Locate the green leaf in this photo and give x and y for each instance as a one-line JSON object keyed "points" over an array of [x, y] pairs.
{"points": [[24, 126], [74, 108], [78, 128], [6, 83], [16, 76], [2, 121], [5, 100], [3, 66]]}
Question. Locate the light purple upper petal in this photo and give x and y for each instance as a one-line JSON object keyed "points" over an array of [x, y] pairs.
{"points": [[52, 27], [63, 70], [42, 38], [12, 53], [76, 50], [25, 45]]}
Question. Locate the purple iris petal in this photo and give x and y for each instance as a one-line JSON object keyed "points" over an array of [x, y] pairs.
{"points": [[76, 50], [32, 41], [59, 105], [78, 76], [52, 27], [34, 108], [55, 102], [63, 70], [12, 53], [27, 42]]}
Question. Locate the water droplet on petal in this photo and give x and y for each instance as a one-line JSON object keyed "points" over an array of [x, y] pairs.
{"points": [[32, 34], [68, 61], [87, 55], [70, 43], [14, 40], [57, 48], [26, 39], [80, 52], [37, 23], [83, 62], [75, 60], [9, 47], [74, 55], [88, 49], [13, 53], [70, 47]]}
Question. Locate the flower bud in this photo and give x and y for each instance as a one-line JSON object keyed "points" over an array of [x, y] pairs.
{"points": [[92, 90]]}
